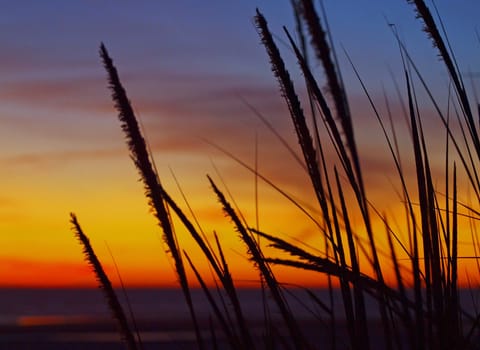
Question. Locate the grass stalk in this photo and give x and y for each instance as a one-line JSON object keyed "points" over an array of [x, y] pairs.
{"points": [[153, 189], [105, 284], [430, 317], [270, 280]]}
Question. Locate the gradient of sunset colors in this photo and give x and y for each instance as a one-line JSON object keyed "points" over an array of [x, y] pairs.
{"points": [[187, 69]]}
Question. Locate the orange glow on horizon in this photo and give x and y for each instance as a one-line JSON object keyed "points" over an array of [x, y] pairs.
{"points": [[63, 150]]}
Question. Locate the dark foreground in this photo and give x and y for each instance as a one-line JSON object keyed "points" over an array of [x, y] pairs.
{"points": [[171, 335], [51, 319]]}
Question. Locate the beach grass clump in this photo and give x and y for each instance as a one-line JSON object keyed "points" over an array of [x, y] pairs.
{"points": [[421, 308]]}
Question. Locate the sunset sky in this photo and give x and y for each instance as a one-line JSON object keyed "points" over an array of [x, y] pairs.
{"points": [[187, 67]]}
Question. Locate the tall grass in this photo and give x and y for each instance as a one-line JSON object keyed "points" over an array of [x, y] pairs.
{"points": [[106, 285], [421, 309]]}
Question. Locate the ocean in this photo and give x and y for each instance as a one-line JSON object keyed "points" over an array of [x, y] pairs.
{"points": [[80, 318], [73, 319]]}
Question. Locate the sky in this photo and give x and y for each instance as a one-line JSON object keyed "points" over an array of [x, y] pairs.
{"points": [[188, 69]]}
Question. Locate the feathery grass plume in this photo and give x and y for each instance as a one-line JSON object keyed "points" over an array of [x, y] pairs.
{"points": [[322, 50], [331, 219], [153, 189], [259, 260], [293, 103], [431, 29], [313, 87], [471, 170], [353, 172], [355, 178], [298, 118], [296, 112], [105, 285], [335, 138], [299, 25]]}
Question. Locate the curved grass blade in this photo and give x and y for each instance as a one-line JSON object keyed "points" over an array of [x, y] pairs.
{"points": [[258, 259], [153, 189], [105, 284]]}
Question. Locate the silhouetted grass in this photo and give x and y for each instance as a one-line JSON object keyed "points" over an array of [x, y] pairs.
{"points": [[105, 285], [429, 316]]}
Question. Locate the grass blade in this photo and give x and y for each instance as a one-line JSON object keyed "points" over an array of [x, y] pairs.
{"points": [[153, 189], [257, 257], [105, 284]]}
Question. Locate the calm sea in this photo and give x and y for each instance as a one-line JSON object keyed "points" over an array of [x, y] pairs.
{"points": [[23, 306], [79, 318]]}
